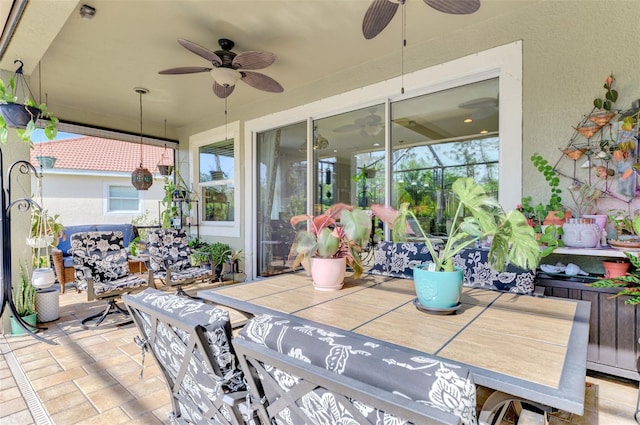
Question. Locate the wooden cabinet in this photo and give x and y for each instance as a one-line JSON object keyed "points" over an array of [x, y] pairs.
{"points": [[613, 327]]}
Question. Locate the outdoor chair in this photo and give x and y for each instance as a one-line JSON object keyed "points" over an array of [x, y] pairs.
{"points": [[102, 270], [298, 373], [190, 341], [170, 260]]}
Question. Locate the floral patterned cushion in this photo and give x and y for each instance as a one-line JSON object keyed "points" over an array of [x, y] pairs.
{"points": [[168, 245], [423, 379], [200, 388], [99, 255], [479, 274], [398, 259]]}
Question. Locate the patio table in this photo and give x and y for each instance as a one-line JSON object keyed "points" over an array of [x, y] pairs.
{"points": [[531, 347]]}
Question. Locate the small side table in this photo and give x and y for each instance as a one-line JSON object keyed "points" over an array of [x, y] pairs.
{"points": [[48, 304], [136, 264]]}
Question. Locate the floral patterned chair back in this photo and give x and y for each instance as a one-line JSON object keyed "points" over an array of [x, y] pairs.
{"points": [[98, 255], [170, 259], [291, 359], [190, 341], [168, 247], [102, 270]]}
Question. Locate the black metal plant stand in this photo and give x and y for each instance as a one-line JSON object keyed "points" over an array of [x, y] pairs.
{"points": [[22, 204]]}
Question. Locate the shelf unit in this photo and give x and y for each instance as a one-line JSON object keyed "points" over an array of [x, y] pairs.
{"points": [[614, 327]]}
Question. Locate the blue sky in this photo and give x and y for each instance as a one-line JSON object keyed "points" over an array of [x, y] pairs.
{"points": [[38, 136]]}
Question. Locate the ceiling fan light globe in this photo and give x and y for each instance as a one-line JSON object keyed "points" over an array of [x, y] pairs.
{"points": [[225, 76]]}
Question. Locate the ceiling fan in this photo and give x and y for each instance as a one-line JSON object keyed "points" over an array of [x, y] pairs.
{"points": [[381, 12], [370, 125], [228, 67], [484, 107]]}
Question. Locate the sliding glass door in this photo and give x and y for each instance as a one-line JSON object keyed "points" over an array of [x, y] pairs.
{"points": [[282, 193]]}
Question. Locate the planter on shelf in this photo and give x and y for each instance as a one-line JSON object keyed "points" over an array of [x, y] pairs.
{"points": [[556, 218], [30, 320], [615, 268], [43, 278], [581, 233], [17, 115], [437, 290], [602, 117], [46, 161], [599, 219], [328, 273]]}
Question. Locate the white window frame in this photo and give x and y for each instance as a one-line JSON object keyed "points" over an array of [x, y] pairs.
{"points": [[504, 62], [216, 135], [106, 211]]}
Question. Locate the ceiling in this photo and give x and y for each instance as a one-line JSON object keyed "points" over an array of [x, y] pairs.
{"points": [[86, 70]]}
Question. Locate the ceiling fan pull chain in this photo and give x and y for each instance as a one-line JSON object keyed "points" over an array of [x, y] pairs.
{"points": [[404, 44]]}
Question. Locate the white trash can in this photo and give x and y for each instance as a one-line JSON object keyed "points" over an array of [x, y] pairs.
{"points": [[48, 304]]}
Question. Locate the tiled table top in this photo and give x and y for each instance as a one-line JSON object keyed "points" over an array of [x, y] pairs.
{"points": [[522, 345]]}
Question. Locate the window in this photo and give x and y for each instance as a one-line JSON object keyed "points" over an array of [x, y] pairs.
{"points": [[439, 137], [216, 171], [122, 199], [214, 156]]}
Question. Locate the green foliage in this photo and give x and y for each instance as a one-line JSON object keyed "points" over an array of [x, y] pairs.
{"points": [[24, 294], [550, 239], [219, 252], [610, 96], [512, 240], [8, 95], [630, 282], [51, 225], [552, 179], [143, 220]]}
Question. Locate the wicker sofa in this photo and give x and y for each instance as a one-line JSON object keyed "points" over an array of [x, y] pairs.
{"points": [[61, 255]]}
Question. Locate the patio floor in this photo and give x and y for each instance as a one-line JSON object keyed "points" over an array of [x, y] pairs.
{"points": [[93, 377]]}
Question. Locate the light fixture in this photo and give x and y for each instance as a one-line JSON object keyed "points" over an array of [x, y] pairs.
{"points": [[226, 77], [87, 12], [484, 131], [467, 120], [141, 177]]}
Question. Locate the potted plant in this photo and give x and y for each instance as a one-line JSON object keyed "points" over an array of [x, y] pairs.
{"points": [[22, 116], [628, 282], [219, 253], [331, 241], [478, 216], [24, 298], [556, 212]]}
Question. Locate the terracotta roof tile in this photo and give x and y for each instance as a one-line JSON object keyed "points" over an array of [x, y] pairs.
{"points": [[98, 154]]}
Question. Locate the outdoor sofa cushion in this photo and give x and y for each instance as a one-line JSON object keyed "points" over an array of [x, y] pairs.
{"points": [[398, 259], [421, 378], [129, 232], [479, 274]]}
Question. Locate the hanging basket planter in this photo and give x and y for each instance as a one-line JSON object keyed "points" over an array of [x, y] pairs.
{"points": [[17, 115], [165, 170], [46, 161], [601, 118]]}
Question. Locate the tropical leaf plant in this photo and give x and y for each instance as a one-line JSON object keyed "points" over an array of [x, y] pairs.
{"points": [[340, 231], [478, 216]]}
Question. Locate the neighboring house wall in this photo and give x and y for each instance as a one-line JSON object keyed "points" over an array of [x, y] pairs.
{"points": [[83, 198]]}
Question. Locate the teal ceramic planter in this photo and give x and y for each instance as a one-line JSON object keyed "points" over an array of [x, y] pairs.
{"points": [[437, 289]]}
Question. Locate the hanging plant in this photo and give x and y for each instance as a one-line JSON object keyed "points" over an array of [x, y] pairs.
{"points": [[22, 117]]}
